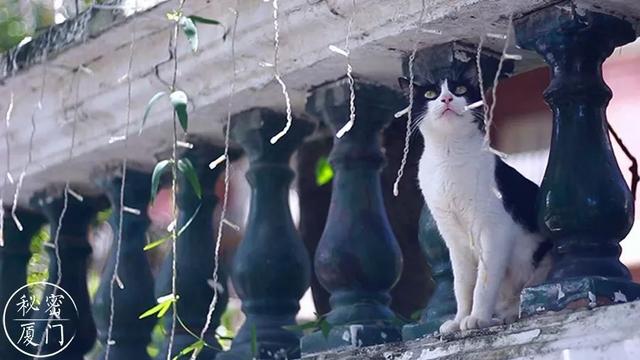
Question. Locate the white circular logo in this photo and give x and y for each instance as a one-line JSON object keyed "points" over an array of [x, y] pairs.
{"points": [[40, 326]]}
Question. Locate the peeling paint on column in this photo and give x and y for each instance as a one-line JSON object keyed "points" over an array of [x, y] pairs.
{"points": [[592, 300], [560, 292], [618, 296]]}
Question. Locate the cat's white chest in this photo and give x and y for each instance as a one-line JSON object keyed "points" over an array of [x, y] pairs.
{"points": [[458, 181]]}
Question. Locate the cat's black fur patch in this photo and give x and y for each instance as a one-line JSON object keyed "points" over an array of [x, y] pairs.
{"points": [[520, 199]]}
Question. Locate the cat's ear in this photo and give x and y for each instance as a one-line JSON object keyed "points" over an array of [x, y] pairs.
{"points": [[404, 83], [471, 75]]}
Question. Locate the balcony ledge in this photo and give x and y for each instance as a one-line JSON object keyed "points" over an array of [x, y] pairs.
{"points": [[609, 332], [383, 34]]}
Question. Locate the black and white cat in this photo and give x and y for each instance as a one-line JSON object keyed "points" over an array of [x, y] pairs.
{"points": [[484, 209]]}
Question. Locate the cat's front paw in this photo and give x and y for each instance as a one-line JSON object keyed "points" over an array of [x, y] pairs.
{"points": [[475, 322], [450, 326]]}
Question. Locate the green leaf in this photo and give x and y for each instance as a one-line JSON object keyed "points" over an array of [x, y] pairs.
{"points": [[324, 171], [254, 341], [164, 304], [190, 31], [153, 310], [415, 316], [147, 109], [173, 15], [325, 327], [203, 20], [186, 168], [155, 244], [195, 348], [165, 308], [184, 227], [155, 177], [179, 101]]}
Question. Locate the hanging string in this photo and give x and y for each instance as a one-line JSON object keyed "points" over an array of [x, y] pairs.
{"points": [[483, 96], [489, 117], [633, 169], [227, 169], [352, 93], [65, 204], [276, 72], [407, 136], [173, 46], [115, 277], [8, 160]]}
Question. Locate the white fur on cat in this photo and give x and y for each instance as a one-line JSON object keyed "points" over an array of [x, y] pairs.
{"points": [[491, 254]]}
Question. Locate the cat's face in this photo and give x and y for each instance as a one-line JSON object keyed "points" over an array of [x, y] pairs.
{"points": [[440, 106]]}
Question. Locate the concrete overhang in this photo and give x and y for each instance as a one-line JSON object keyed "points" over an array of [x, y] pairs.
{"points": [[96, 97]]}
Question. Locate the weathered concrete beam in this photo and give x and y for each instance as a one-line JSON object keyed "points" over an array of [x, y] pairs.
{"points": [[97, 101]]}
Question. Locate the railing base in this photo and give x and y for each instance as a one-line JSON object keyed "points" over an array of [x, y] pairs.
{"points": [[577, 293], [417, 331], [350, 336]]}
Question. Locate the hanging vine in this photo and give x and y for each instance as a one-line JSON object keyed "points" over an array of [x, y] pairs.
{"points": [[409, 110], [277, 75], [225, 199], [122, 208]]}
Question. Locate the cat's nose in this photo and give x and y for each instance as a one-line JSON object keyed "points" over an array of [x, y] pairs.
{"points": [[447, 99]]}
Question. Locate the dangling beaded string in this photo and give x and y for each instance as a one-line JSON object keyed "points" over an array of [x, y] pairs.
{"points": [[407, 136], [489, 116], [8, 160], [352, 93], [225, 199], [173, 46], [276, 73], [36, 108], [66, 192], [115, 279]]}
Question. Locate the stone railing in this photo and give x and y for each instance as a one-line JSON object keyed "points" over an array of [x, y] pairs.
{"points": [[586, 210]]}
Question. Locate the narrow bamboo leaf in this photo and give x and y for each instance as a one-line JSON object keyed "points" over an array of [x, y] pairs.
{"points": [[173, 15], [179, 101], [311, 325], [182, 229], [200, 19], [325, 327], [155, 244], [254, 341], [186, 225], [164, 304], [415, 316], [151, 311], [195, 347], [190, 31], [147, 109], [165, 308], [155, 177], [324, 171], [186, 168]]}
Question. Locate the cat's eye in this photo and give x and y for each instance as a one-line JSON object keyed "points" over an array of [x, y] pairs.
{"points": [[460, 90], [430, 94]]}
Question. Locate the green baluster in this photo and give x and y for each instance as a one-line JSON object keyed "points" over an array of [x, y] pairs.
{"points": [[442, 304], [271, 265], [130, 335], [195, 260], [586, 206], [74, 251], [358, 259], [14, 256]]}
